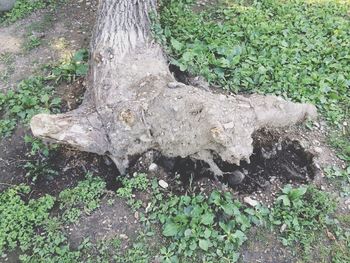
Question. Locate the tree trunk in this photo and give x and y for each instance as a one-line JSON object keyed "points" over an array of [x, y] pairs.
{"points": [[133, 103]]}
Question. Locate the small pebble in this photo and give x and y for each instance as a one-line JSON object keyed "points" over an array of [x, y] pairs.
{"points": [[248, 200], [123, 236], [283, 227], [235, 178], [153, 167], [163, 184]]}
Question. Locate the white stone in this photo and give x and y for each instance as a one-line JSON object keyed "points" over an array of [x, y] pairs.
{"points": [[136, 215], [163, 184], [153, 167], [248, 200], [123, 236], [283, 227]]}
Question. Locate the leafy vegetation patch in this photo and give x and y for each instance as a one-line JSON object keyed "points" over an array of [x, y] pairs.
{"points": [[199, 228], [34, 95], [205, 229], [192, 227], [7, 59], [39, 154], [20, 219], [32, 42], [139, 182], [30, 226], [295, 48], [301, 213], [85, 196], [340, 178], [31, 97], [22, 8], [70, 68]]}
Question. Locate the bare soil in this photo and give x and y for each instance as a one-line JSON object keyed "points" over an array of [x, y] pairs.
{"points": [[108, 222], [61, 31]]}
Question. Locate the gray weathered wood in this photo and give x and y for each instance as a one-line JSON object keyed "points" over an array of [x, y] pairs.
{"points": [[132, 104]]}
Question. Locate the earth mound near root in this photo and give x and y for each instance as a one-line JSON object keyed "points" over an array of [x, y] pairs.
{"points": [[274, 158]]}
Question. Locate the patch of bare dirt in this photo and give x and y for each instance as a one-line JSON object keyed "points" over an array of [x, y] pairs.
{"points": [[61, 31], [71, 94], [72, 166], [107, 222], [262, 246], [10, 41], [12, 159]]}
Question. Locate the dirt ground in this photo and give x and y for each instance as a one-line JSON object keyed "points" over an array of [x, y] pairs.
{"points": [[67, 29], [63, 30]]}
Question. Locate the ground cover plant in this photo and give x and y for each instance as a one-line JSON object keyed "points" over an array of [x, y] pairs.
{"points": [[206, 229], [301, 213], [199, 228], [83, 198], [35, 94], [32, 96], [71, 67], [194, 226], [23, 8], [293, 48], [31, 227], [7, 59]]}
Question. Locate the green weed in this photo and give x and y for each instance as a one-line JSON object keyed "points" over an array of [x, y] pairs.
{"points": [[32, 42], [31, 97], [301, 213], [39, 168], [341, 141], [7, 59], [203, 229], [139, 182], [19, 219], [50, 246], [29, 227], [23, 8], [38, 165], [72, 68], [197, 227], [39, 236], [38, 147], [293, 48], [84, 197], [138, 253], [340, 178]]}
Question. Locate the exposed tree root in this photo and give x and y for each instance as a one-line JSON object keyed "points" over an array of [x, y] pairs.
{"points": [[133, 103]]}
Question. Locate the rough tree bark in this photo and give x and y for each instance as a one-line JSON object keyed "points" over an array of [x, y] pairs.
{"points": [[133, 103]]}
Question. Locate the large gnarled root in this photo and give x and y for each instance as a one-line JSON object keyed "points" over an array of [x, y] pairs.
{"points": [[130, 107], [82, 130], [178, 122]]}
